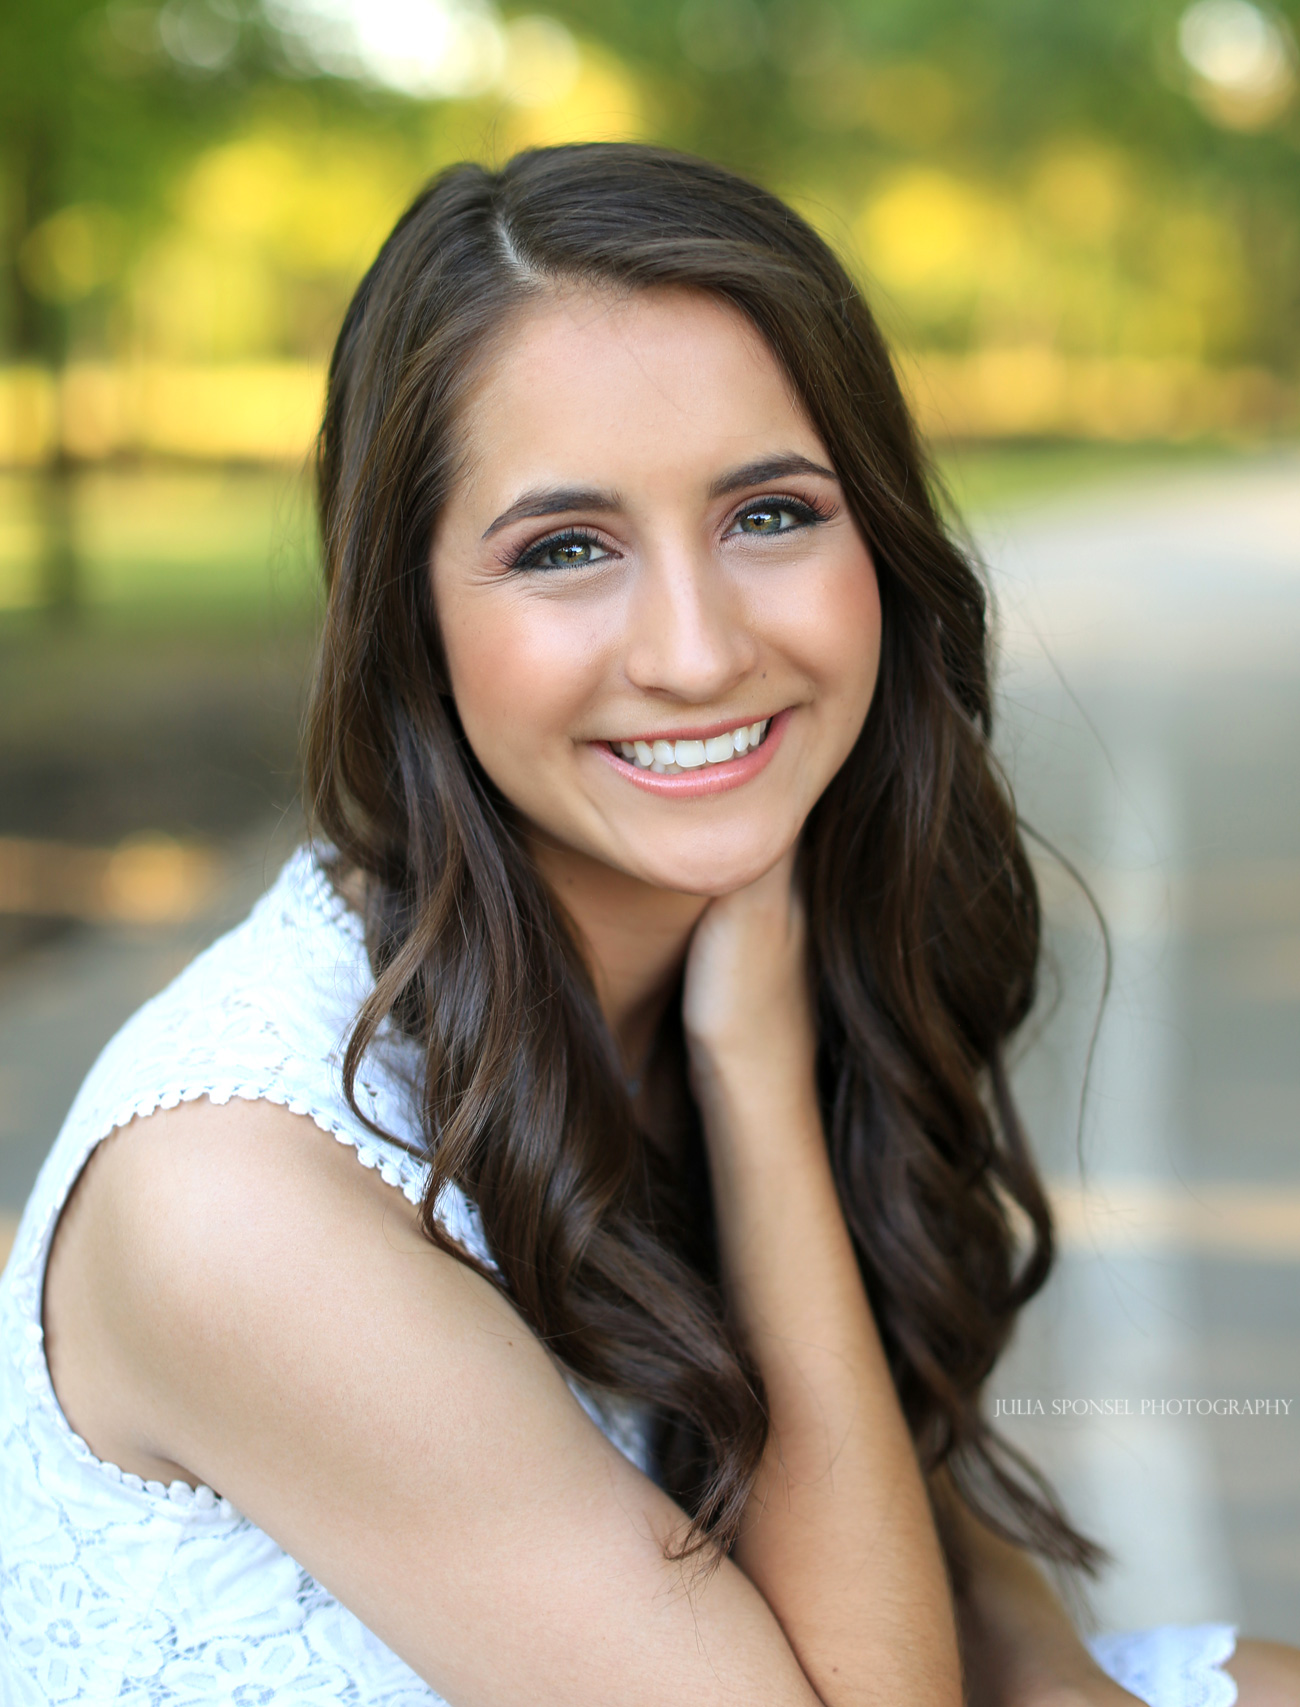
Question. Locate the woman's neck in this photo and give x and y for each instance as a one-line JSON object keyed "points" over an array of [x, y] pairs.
{"points": [[635, 937]]}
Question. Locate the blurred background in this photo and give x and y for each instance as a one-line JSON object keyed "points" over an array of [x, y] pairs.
{"points": [[1080, 224]]}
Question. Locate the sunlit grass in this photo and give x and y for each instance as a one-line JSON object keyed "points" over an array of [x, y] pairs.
{"points": [[158, 545]]}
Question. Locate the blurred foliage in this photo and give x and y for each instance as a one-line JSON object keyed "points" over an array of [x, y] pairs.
{"points": [[205, 180], [167, 547]]}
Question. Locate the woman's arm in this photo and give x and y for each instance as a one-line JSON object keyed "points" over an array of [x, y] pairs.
{"points": [[235, 1300], [1019, 1645], [839, 1534]]}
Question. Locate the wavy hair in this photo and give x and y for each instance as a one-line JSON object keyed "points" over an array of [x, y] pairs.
{"points": [[923, 911]]}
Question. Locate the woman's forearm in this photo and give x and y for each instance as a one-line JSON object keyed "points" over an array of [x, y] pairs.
{"points": [[839, 1535], [1019, 1645]]}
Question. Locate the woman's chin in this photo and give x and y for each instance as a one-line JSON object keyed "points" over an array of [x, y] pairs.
{"points": [[710, 876]]}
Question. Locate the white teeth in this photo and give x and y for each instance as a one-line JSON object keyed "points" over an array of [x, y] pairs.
{"points": [[670, 758]]}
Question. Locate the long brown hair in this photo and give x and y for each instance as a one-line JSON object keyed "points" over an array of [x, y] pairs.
{"points": [[922, 905]]}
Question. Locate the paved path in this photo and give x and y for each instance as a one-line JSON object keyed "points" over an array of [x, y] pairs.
{"points": [[1151, 703]]}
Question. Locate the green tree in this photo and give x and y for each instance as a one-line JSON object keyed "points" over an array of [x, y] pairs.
{"points": [[96, 115]]}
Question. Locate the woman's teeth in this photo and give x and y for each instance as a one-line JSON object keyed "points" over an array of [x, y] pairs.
{"points": [[668, 758]]}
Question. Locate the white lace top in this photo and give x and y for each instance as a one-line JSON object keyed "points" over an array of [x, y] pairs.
{"points": [[117, 1590]]}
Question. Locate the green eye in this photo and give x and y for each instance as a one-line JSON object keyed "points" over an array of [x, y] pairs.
{"points": [[762, 521], [566, 554], [771, 518], [562, 551]]}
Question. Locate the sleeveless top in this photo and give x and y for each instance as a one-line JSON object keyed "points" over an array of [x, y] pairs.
{"points": [[114, 1589]]}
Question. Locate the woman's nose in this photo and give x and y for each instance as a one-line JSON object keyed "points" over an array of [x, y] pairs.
{"points": [[688, 635]]}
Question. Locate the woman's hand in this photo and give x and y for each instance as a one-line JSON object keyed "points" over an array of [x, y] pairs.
{"points": [[746, 1007]]}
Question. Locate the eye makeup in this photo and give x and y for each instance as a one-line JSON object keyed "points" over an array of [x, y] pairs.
{"points": [[577, 547], [568, 545], [805, 512]]}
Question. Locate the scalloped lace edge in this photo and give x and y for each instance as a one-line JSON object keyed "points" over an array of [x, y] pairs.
{"points": [[1208, 1647], [320, 893]]}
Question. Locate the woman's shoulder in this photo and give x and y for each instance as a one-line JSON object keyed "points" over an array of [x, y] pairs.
{"points": [[261, 1016], [187, 1226]]}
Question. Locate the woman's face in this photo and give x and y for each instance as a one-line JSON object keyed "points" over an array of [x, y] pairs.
{"points": [[649, 555]]}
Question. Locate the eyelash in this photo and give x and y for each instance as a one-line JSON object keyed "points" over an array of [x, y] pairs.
{"points": [[809, 513]]}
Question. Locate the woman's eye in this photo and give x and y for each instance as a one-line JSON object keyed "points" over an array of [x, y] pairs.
{"points": [[773, 518], [562, 551]]}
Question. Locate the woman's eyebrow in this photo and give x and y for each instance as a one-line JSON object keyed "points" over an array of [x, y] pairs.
{"points": [[555, 501], [559, 500], [766, 468]]}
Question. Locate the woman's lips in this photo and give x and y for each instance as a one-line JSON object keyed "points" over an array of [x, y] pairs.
{"points": [[709, 778]]}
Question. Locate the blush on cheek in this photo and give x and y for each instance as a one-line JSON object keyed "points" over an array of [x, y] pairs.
{"points": [[833, 629], [521, 676]]}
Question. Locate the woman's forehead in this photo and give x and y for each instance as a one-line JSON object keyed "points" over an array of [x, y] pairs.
{"points": [[621, 387]]}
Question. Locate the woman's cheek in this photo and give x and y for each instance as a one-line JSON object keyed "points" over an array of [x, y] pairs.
{"points": [[829, 627], [521, 680]]}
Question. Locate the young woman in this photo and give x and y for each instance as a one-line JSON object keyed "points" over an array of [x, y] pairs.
{"points": [[664, 926]]}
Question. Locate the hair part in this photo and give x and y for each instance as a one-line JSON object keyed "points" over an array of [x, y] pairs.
{"points": [[923, 911]]}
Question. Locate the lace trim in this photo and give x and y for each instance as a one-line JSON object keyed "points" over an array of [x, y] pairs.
{"points": [[1173, 1665], [320, 894], [402, 1171]]}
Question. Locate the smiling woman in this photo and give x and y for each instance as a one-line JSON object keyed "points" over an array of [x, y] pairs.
{"points": [[655, 955]]}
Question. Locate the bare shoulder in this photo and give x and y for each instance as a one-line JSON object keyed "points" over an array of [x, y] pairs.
{"points": [[207, 1222], [215, 1151], [228, 1185]]}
